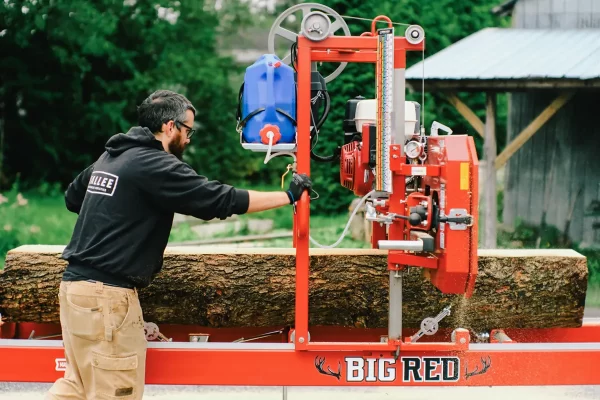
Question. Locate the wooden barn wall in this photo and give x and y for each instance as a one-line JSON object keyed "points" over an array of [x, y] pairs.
{"points": [[574, 129], [557, 14], [564, 154]]}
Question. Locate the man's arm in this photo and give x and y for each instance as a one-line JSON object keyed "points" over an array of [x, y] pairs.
{"points": [[183, 191], [261, 201], [75, 193]]}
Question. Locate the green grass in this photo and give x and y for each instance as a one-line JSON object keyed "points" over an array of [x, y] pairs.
{"points": [[182, 233], [35, 217]]}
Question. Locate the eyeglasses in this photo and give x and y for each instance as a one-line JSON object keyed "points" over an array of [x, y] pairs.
{"points": [[190, 130]]}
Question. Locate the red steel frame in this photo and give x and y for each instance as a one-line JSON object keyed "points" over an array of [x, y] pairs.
{"points": [[361, 49], [565, 356]]}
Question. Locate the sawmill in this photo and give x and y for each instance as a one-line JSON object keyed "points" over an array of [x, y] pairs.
{"points": [[422, 307]]}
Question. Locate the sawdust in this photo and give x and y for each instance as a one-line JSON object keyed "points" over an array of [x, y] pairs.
{"points": [[462, 314]]}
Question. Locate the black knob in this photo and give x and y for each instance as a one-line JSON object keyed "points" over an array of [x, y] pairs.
{"points": [[415, 219]]}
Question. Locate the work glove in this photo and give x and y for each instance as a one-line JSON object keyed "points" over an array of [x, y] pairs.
{"points": [[299, 183]]}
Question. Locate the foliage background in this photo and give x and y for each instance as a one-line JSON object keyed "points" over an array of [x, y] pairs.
{"points": [[73, 71]]}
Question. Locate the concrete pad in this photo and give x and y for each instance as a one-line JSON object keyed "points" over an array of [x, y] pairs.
{"points": [[591, 312], [160, 392]]}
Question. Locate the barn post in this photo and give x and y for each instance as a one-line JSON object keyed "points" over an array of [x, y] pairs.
{"points": [[489, 154]]}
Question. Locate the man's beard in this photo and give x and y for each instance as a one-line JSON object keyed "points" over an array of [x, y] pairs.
{"points": [[176, 148]]}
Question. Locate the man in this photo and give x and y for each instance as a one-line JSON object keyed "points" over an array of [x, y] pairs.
{"points": [[126, 201]]}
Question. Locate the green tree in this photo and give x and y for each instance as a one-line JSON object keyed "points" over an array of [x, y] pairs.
{"points": [[72, 73]]}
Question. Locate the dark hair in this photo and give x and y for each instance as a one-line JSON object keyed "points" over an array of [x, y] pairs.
{"points": [[163, 106]]}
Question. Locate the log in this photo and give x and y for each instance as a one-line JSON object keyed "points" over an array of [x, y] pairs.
{"points": [[348, 288]]}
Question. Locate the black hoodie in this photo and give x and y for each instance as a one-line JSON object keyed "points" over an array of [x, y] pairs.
{"points": [[126, 201]]}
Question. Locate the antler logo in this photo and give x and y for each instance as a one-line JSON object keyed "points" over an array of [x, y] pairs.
{"points": [[485, 365], [319, 365]]}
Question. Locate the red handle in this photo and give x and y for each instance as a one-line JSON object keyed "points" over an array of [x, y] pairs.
{"points": [[378, 18]]}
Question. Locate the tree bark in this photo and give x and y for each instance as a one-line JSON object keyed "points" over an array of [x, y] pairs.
{"points": [[348, 287]]}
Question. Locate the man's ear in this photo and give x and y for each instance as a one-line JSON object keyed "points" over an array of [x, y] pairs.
{"points": [[168, 128]]}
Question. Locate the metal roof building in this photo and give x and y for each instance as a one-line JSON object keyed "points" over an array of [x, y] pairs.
{"points": [[548, 63], [508, 58]]}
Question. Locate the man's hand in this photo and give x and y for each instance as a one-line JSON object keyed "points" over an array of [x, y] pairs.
{"points": [[299, 183], [261, 201]]}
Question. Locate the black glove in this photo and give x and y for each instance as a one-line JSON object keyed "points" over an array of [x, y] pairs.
{"points": [[299, 183]]}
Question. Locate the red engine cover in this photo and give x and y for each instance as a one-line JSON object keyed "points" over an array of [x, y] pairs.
{"points": [[353, 174]]}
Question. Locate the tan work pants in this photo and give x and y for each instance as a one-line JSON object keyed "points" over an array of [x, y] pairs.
{"points": [[104, 341]]}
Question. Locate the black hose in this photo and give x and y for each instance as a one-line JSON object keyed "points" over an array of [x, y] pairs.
{"points": [[333, 158], [315, 157], [336, 154]]}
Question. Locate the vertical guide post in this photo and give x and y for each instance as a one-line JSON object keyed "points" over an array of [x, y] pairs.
{"points": [[303, 211], [394, 97], [395, 309], [385, 109]]}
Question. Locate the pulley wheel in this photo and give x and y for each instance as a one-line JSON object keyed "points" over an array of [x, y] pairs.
{"points": [[291, 35], [315, 26]]}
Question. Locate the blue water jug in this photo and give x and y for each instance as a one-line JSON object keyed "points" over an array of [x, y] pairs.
{"points": [[268, 97]]}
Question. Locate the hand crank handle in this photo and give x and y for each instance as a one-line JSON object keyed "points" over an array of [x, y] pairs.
{"points": [[445, 312], [163, 338]]}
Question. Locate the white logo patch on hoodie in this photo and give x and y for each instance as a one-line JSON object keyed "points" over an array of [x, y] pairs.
{"points": [[103, 183]]}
